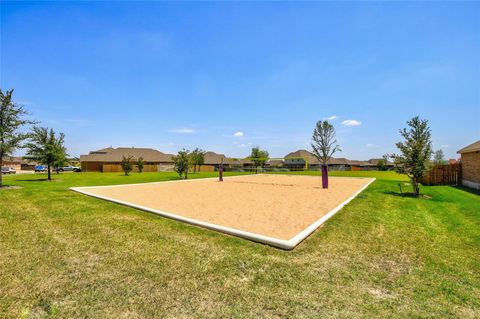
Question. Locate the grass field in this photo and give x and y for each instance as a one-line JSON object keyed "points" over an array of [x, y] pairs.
{"points": [[66, 255]]}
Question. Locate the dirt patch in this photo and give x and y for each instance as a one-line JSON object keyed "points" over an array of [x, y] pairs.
{"points": [[279, 206]]}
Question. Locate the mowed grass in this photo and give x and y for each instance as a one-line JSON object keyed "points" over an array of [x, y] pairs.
{"points": [[66, 255]]}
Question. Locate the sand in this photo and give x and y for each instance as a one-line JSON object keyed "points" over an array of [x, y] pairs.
{"points": [[278, 206]]}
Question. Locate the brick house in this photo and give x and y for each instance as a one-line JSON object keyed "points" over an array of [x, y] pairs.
{"points": [[13, 162], [109, 159], [470, 159]]}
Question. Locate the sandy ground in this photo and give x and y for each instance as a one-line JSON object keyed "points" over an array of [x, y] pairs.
{"points": [[278, 206]]}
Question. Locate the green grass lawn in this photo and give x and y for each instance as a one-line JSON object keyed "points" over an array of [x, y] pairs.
{"points": [[66, 255]]}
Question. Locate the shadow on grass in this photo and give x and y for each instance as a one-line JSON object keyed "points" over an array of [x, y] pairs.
{"points": [[407, 195], [468, 190], [39, 180]]}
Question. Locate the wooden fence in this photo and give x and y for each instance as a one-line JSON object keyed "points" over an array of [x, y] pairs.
{"points": [[443, 175]]}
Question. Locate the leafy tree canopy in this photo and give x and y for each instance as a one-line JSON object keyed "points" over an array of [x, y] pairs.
{"points": [[181, 161], [324, 143], [12, 119], [258, 157], [45, 147], [127, 164], [415, 151]]}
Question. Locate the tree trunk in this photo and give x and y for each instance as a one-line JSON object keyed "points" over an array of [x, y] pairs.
{"points": [[220, 173], [49, 173], [416, 187], [324, 176], [186, 173], [1, 175]]}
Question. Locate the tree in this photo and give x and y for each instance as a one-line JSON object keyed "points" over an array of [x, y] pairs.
{"points": [[181, 162], [439, 158], [140, 164], [60, 161], [258, 157], [11, 121], [385, 158], [46, 148], [127, 164], [324, 145], [416, 151], [197, 157], [381, 165]]}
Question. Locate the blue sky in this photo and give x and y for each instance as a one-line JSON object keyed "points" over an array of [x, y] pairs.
{"points": [[226, 76]]}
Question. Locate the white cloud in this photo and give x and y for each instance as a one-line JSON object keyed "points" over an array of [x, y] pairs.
{"points": [[445, 146], [333, 117], [351, 123], [183, 130], [238, 134], [371, 145]]}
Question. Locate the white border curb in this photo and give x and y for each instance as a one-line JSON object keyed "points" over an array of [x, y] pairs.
{"points": [[280, 243]]}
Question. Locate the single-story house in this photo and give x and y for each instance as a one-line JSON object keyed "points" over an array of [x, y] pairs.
{"points": [[374, 161], [301, 159], [338, 164], [212, 162], [13, 162], [361, 166], [109, 159], [470, 159], [239, 163], [275, 163]]}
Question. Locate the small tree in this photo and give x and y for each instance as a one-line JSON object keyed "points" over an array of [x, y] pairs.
{"points": [[46, 148], [140, 164], [439, 158], [416, 151], [11, 120], [181, 162], [381, 165], [60, 161], [127, 164], [324, 145], [385, 159], [197, 157], [258, 157]]}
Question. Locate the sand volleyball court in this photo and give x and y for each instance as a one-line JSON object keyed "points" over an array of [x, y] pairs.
{"points": [[279, 210]]}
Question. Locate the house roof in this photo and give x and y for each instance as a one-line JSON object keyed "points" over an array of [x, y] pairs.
{"points": [[276, 163], [338, 161], [332, 161], [375, 161], [238, 161], [14, 159], [212, 158], [360, 163], [474, 147], [19, 159], [303, 154], [110, 154]]}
